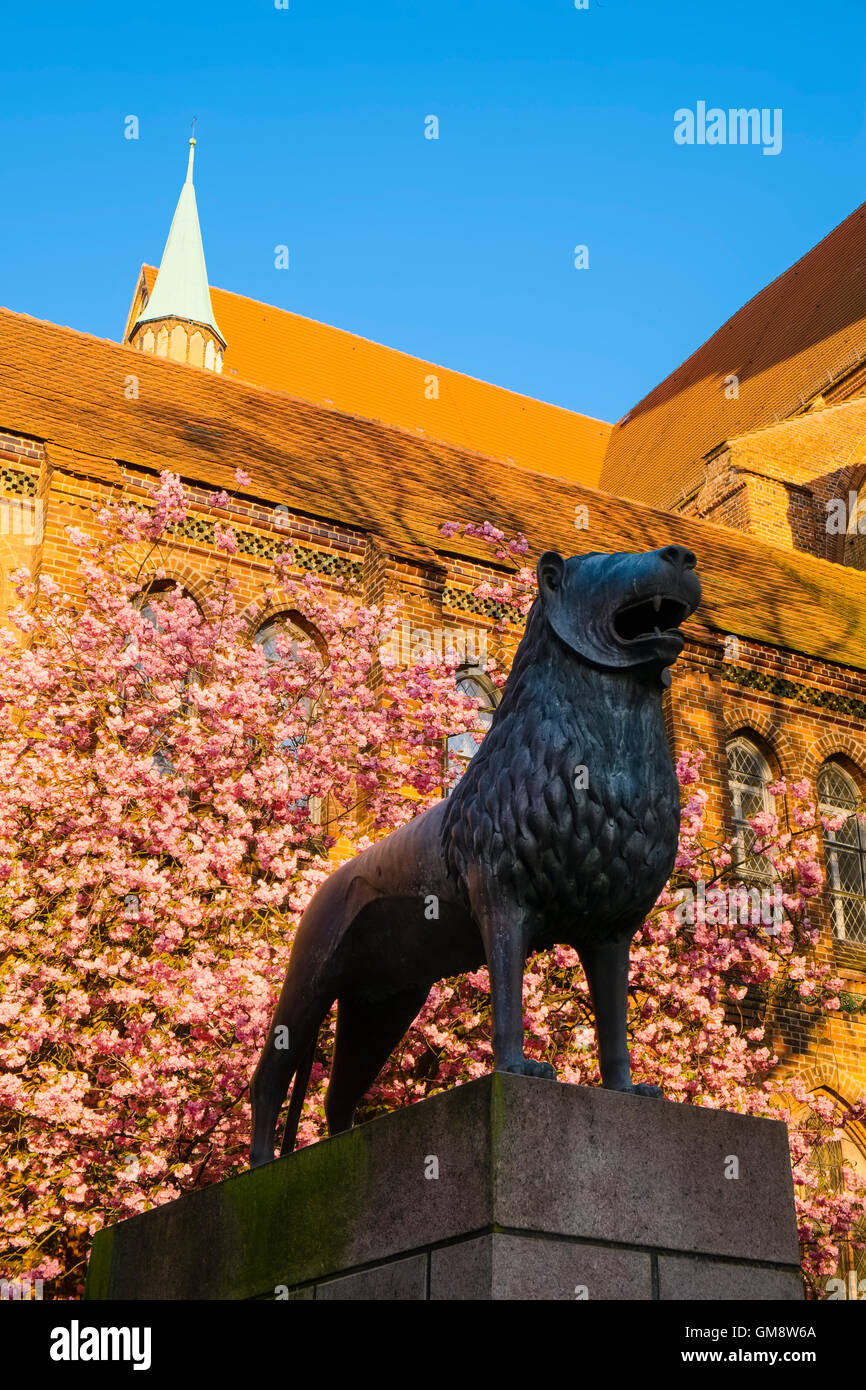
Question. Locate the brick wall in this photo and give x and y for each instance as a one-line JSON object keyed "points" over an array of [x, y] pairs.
{"points": [[778, 483]]}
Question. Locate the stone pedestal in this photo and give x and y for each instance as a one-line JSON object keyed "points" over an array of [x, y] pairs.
{"points": [[507, 1188]]}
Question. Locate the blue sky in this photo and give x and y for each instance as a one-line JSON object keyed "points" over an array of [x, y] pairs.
{"points": [[555, 129]]}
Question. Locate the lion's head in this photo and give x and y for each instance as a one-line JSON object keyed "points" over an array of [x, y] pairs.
{"points": [[622, 609]]}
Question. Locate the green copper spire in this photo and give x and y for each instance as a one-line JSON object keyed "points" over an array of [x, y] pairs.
{"points": [[181, 289]]}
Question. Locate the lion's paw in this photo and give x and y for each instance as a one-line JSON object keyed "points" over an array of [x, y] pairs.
{"points": [[528, 1067], [640, 1088]]}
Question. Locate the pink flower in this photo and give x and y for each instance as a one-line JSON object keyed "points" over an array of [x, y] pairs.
{"points": [[225, 539]]}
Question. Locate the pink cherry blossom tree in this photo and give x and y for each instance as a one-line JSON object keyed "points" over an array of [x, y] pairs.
{"points": [[173, 794]]}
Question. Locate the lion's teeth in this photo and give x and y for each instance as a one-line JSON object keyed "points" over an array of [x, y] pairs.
{"points": [[657, 601]]}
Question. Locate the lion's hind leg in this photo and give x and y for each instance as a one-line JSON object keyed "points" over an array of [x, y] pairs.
{"points": [[367, 1034], [287, 1051]]}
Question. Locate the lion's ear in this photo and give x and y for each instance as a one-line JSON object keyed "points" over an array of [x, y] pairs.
{"points": [[551, 568]]}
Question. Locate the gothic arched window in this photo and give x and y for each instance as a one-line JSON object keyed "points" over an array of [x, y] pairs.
{"points": [[163, 590], [284, 640], [844, 853], [281, 638], [160, 589], [748, 779], [461, 748]]}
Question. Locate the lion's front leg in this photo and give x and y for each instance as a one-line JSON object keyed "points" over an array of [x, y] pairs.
{"points": [[502, 925], [606, 964]]}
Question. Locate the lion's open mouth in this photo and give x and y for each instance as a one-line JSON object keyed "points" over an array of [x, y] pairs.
{"points": [[652, 617]]}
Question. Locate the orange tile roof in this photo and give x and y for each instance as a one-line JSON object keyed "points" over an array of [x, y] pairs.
{"points": [[801, 332], [272, 347], [820, 444], [68, 389]]}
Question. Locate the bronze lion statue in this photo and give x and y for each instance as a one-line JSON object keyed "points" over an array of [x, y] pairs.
{"points": [[562, 830]]}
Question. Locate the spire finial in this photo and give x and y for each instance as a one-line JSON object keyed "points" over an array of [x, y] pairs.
{"points": [[191, 152]]}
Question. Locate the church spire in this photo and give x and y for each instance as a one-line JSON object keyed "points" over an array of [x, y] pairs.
{"points": [[178, 319]]}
